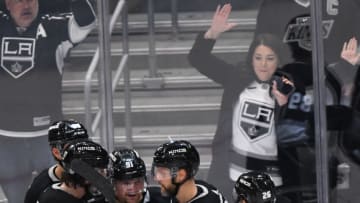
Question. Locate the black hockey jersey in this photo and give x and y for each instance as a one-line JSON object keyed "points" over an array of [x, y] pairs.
{"points": [[54, 194], [31, 65], [206, 193], [45, 179]]}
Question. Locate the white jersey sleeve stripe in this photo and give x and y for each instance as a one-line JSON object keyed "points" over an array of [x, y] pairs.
{"points": [[61, 53], [77, 33]]}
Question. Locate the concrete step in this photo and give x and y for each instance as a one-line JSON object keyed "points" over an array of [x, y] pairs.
{"points": [[165, 44], [156, 107], [148, 137], [154, 98], [173, 78], [172, 65], [187, 21]]}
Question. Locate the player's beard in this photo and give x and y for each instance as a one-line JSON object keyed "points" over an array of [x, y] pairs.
{"points": [[169, 191]]}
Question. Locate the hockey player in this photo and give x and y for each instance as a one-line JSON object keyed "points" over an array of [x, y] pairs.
{"points": [[175, 165], [73, 187], [60, 134], [245, 138], [128, 174], [32, 50], [254, 187]]}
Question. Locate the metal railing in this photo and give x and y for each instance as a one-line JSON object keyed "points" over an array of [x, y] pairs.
{"points": [[154, 79], [121, 8], [102, 54]]}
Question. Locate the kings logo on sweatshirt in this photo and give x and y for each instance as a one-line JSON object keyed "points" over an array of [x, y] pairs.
{"points": [[17, 55], [256, 119]]}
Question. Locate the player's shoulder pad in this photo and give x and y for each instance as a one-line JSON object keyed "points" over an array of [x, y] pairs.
{"points": [[40, 177], [206, 184], [210, 189]]}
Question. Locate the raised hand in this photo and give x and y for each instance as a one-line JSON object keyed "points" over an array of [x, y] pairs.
{"points": [[349, 52], [220, 22]]}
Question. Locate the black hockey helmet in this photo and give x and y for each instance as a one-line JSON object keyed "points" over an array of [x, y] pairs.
{"points": [[126, 164], [87, 151], [254, 187], [61, 132], [179, 154]]}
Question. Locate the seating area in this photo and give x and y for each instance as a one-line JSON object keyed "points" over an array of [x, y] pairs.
{"points": [[178, 102]]}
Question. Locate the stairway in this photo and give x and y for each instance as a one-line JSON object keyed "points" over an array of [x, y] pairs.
{"points": [[185, 106]]}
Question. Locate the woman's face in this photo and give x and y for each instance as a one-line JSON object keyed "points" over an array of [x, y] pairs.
{"points": [[265, 62]]}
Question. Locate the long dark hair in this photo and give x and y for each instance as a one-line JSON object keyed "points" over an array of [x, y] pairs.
{"points": [[281, 50]]}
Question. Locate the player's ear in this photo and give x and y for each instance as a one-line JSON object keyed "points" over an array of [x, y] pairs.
{"points": [[56, 152], [181, 175]]}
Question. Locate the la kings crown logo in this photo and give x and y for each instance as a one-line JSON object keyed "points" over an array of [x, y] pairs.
{"points": [[256, 120], [300, 32], [17, 55]]}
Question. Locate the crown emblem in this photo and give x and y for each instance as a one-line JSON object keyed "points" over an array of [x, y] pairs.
{"points": [[16, 68]]}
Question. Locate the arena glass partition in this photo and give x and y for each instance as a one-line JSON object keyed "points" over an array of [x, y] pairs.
{"points": [[340, 60], [303, 147], [43, 79], [327, 46], [309, 145], [302, 144]]}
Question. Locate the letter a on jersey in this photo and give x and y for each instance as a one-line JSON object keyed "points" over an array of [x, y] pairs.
{"points": [[17, 55]]}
